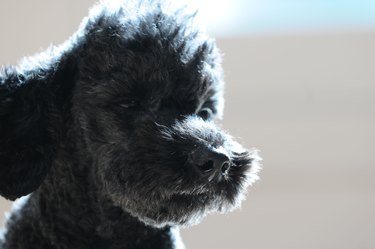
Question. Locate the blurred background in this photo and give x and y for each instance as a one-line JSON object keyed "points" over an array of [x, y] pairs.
{"points": [[300, 87]]}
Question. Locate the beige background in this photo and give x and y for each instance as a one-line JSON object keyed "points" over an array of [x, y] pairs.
{"points": [[307, 101]]}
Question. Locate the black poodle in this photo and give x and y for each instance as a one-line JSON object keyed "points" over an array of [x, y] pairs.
{"points": [[112, 133]]}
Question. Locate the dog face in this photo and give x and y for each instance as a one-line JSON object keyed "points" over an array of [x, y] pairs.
{"points": [[145, 97]]}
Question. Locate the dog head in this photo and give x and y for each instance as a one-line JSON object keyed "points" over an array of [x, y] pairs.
{"points": [[143, 85]]}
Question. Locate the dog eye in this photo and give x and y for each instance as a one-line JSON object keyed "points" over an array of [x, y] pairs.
{"points": [[205, 113], [125, 104]]}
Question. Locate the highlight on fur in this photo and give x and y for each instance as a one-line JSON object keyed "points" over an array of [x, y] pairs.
{"points": [[112, 134]]}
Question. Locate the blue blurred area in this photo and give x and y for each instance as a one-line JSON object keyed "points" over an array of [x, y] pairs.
{"points": [[233, 17]]}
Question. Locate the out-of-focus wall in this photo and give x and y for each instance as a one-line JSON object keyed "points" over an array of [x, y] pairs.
{"points": [[306, 101]]}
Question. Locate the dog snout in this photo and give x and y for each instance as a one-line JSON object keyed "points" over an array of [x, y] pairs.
{"points": [[212, 163]]}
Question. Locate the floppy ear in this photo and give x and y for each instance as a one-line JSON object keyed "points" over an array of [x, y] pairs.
{"points": [[31, 107]]}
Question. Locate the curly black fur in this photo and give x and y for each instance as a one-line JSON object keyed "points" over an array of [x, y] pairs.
{"points": [[109, 131]]}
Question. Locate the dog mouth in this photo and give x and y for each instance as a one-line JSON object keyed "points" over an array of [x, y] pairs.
{"points": [[187, 207]]}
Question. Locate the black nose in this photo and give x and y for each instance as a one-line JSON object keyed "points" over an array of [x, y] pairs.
{"points": [[212, 162]]}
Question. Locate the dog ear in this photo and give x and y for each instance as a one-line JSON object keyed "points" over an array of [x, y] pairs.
{"points": [[31, 106]]}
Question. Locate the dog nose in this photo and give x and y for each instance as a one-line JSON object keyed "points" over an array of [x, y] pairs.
{"points": [[212, 162]]}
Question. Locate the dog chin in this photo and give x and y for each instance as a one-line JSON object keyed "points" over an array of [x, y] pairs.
{"points": [[182, 214], [181, 209]]}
